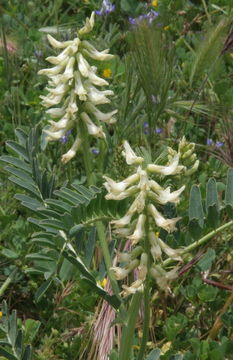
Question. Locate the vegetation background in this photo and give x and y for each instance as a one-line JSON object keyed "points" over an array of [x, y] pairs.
{"points": [[171, 76]]}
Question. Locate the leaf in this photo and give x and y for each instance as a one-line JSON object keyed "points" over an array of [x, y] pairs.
{"points": [[19, 343], [90, 246], [7, 355], [75, 260], [206, 261], [25, 185], [31, 328], [196, 214], [16, 162], [42, 289], [27, 353], [10, 254], [153, 355], [18, 149], [212, 206], [229, 193], [12, 332]]}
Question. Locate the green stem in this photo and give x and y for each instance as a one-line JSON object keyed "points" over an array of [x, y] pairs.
{"points": [[8, 281], [107, 257], [86, 153], [146, 319], [128, 330], [201, 241], [206, 11]]}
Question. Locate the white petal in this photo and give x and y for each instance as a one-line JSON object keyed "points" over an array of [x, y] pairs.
{"points": [[105, 117], [130, 155], [168, 224], [165, 196], [79, 88], [125, 220], [88, 25], [165, 170], [96, 80], [118, 187], [91, 127], [72, 152], [58, 44], [91, 51], [83, 65], [123, 195], [56, 112], [54, 70], [139, 231]]}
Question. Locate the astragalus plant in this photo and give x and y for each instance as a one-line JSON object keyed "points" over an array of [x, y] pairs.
{"points": [[144, 218], [73, 94]]}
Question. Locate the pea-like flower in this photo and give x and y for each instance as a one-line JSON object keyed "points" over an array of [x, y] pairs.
{"points": [[73, 90], [143, 218]]}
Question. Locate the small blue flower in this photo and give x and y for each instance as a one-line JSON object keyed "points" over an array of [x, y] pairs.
{"points": [[38, 53], [209, 142], [145, 125], [158, 130], [95, 151], [64, 138], [146, 131], [106, 8], [219, 144], [150, 16]]}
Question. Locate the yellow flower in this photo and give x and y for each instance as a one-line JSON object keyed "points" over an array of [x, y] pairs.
{"points": [[1, 314], [102, 283], [231, 55], [107, 73], [166, 27], [154, 3]]}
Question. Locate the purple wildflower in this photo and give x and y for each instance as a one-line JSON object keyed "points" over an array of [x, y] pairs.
{"points": [[106, 8], [95, 151], [209, 142], [219, 144], [146, 131], [150, 16], [38, 53], [64, 138], [158, 130], [145, 125]]}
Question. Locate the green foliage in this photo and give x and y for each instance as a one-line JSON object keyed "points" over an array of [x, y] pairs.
{"points": [[16, 343], [209, 48]]}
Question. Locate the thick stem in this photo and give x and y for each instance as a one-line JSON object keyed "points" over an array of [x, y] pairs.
{"points": [[107, 257], [146, 319], [129, 328], [201, 241]]}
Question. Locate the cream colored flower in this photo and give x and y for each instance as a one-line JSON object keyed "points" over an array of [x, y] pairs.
{"points": [[71, 85], [167, 224], [130, 155]]}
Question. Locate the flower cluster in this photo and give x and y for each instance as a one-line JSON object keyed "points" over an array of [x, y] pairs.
{"points": [[106, 8], [218, 144], [72, 93], [142, 218], [149, 17]]}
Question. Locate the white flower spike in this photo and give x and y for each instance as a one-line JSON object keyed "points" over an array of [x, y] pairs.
{"points": [[72, 96]]}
